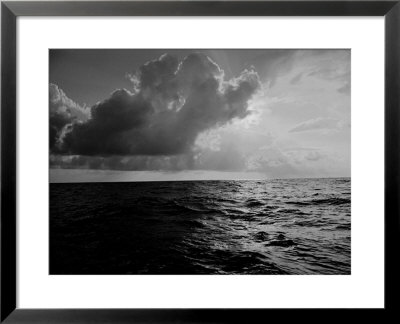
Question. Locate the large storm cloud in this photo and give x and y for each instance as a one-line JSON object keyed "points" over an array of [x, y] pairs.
{"points": [[171, 103]]}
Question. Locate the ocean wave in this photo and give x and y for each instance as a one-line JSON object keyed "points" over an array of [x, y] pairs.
{"points": [[254, 203], [323, 201], [282, 243], [261, 236], [291, 211], [344, 227]]}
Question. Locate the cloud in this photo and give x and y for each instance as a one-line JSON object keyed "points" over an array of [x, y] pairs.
{"points": [[314, 156], [304, 155], [272, 64], [320, 124], [228, 158], [63, 112], [337, 70], [327, 65], [345, 89], [278, 162], [131, 163], [331, 69], [296, 79], [273, 162], [171, 103], [331, 73]]}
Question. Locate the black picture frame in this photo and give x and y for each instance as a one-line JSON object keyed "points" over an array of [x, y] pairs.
{"points": [[9, 13]]}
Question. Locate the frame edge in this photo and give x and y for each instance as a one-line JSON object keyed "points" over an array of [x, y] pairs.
{"points": [[8, 294], [202, 8], [392, 154], [8, 166]]}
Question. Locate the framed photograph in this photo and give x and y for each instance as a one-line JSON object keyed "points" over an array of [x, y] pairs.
{"points": [[198, 161]]}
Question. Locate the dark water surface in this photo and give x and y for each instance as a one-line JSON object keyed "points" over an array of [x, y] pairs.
{"points": [[296, 226]]}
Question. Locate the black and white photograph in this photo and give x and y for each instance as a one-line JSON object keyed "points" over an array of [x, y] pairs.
{"points": [[200, 161]]}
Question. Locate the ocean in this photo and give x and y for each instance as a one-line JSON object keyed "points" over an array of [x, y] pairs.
{"points": [[291, 226]]}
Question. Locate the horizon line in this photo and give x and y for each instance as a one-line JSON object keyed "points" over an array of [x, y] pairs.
{"points": [[198, 180]]}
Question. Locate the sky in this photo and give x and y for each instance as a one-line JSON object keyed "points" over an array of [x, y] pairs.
{"points": [[162, 114]]}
